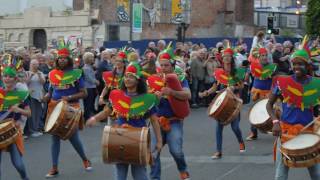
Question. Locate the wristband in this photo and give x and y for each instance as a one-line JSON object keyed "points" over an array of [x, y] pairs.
{"points": [[275, 121]]}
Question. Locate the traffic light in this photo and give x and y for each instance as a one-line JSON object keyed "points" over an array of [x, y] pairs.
{"points": [[179, 34], [269, 24]]}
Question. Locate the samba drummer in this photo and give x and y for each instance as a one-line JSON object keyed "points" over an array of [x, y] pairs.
{"points": [[133, 89], [299, 92], [262, 71], [172, 110], [113, 79], [66, 84], [230, 77], [16, 106]]}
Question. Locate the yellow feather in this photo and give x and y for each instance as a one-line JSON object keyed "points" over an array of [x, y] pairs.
{"points": [[224, 77], [124, 104], [294, 91], [265, 71], [136, 105], [302, 106], [57, 76], [286, 99], [11, 97], [1, 96], [66, 77], [159, 83], [310, 92], [258, 71]]}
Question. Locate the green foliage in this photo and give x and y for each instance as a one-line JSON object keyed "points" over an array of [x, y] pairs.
{"points": [[313, 17]]}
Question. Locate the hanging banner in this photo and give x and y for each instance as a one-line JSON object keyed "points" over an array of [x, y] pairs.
{"points": [[123, 10], [137, 18], [176, 11]]}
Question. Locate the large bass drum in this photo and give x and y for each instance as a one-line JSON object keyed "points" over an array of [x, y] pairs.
{"points": [[126, 145], [302, 150], [225, 107], [63, 120], [8, 133]]}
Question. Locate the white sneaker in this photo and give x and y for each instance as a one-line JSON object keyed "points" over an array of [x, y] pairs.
{"points": [[36, 134]]}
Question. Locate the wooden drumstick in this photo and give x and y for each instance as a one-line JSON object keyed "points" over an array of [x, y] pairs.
{"points": [[285, 154], [308, 125]]}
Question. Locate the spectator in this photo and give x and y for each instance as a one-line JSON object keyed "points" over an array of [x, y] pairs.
{"points": [[90, 83], [35, 80], [161, 45], [281, 58], [197, 75]]}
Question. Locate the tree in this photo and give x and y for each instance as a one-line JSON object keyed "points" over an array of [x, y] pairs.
{"points": [[313, 17]]}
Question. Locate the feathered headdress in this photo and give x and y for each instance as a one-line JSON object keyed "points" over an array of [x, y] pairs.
{"points": [[167, 53], [228, 50], [64, 49], [11, 64], [303, 52]]}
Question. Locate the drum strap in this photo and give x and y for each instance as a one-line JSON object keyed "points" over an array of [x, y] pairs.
{"points": [[259, 94]]}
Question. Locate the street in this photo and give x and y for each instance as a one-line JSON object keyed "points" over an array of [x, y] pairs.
{"points": [[199, 144]]}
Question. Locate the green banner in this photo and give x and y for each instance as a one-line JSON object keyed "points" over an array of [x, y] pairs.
{"points": [[137, 18]]}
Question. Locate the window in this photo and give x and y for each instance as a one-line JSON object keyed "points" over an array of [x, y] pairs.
{"points": [[113, 32]]}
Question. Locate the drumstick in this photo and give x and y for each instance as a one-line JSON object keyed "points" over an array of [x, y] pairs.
{"points": [[308, 125], [284, 154]]}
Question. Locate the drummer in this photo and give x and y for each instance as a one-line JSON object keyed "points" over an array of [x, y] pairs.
{"points": [[9, 77], [133, 86], [262, 71], [69, 90], [235, 83], [297, 112], [113, 80]]}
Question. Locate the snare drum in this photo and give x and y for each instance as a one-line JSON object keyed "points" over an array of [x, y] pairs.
{"points": [[126, 145], [302, 150], [225, 107], [259, 117], [63, 120], [8, 134]]}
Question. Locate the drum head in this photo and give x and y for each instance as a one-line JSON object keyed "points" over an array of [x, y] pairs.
{"points": [[54, 116], [258, 113], [302, 141], [217, 103], [2, 125]]}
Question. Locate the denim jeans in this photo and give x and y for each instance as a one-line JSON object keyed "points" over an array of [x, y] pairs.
{"points": [[139, 172], [196, 87], [174, 139], [282, 171], [254, 130], [235, 128], [17, 161], [74, 140]]}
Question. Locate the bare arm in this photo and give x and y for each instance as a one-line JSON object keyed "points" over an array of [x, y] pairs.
{"points": [[156, 128], [182, 95], [271, 101]]}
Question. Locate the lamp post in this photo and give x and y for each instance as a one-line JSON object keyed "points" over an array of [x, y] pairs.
{"points": [[130, 22]]}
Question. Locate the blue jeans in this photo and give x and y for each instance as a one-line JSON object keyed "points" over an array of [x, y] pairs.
{"points": [[174, 139], [17, 161], [235, 128], [74, 140], [139, 172], [196, 87], [282, 170]]}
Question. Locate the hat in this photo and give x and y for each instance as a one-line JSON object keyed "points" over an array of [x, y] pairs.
{"points": [[303, 51], [134, 69], [11, 64], [263, 51]]}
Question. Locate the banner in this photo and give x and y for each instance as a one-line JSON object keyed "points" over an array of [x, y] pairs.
{"points": [[137, 18], [123, 10], [176, 11]]}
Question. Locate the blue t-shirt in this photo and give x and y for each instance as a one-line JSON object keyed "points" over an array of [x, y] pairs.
{"points": [[58, 92], [294, 115], [164, 107], [141, 122], [262, 84]]}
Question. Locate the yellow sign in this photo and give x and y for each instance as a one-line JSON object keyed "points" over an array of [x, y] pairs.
{"points": [[176, 8], [123, 10]]}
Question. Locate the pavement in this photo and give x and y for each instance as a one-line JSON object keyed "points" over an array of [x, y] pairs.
{"points": [[199, 144]]}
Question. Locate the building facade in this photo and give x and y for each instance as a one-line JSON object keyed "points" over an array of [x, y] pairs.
{"points": [[91, 22]]}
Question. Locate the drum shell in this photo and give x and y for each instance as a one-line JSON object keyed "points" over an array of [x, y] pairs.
{"points": [[306, 153], [316, 126], [126, 145], [8, 135], [264, 127], [228, 110], [66, 123]]}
